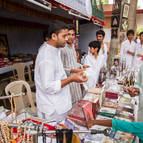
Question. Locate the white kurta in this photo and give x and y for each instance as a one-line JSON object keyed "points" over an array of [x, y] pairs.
{"points": [[125, 46], [93, 71], [104, 55], [89, 60], [138, 60], [49, 72]]}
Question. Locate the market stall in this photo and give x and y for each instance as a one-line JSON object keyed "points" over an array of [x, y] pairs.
{"points": [[112, 100], [107, 101]]}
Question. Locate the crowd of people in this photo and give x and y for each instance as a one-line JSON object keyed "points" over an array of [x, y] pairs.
{"points": [[59, 77]]}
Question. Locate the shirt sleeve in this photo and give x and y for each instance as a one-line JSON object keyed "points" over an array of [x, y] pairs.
{"points": [[135, 128], [47, 74]]}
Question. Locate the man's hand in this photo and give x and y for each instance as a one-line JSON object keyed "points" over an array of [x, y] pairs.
{"points": [[103, 122], [85, 66], [89, 124], [130, 53], [79, 77], [140, 55], [76, 70]]}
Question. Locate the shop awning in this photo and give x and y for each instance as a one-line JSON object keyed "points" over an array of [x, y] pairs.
{"points": [[81, 6], [86, 8]]}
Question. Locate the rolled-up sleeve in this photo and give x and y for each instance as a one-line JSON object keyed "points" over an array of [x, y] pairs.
{"points": [[47, 76]]}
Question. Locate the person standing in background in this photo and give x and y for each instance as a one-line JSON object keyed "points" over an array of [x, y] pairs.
{"points": [[94, 61], [71, 66], [138, 60], [128, 48], [100, 34]]}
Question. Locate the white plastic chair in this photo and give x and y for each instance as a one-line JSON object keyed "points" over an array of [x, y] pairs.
{"points": [[20, 69], [16, 87]]}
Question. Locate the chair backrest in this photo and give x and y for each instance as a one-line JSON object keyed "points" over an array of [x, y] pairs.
{"points": [[16, 87], [20, 67], [29, 73]]}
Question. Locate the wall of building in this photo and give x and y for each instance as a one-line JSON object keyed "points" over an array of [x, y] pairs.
{"points": [[23, 40], [107, 29], [87, 34]]}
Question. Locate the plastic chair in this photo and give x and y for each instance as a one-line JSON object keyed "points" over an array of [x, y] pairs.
{"points": [[20, 69], [16, 87], [3, 84]]}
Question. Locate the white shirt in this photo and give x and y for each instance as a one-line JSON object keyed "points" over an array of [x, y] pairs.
{"points": [[104, 60], [125, 46], [89, 60], [49, 72], [138, 60], [94, 68]]}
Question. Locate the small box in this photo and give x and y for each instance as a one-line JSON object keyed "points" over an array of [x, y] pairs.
{"points": [[111, 95]]}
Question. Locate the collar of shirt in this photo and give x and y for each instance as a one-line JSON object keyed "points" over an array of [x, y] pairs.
{"points": [[130, 42], [69, 46]]}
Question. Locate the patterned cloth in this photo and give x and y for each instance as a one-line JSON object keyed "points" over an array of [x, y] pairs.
{"points": [[68, 56]]}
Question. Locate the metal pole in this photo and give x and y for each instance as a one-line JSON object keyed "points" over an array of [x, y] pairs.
{"points": [[34, 130], [6, 97], [41, 5]]}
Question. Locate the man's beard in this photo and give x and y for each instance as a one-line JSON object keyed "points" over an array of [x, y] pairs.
{"points": [[60, 45], [69, 42]]}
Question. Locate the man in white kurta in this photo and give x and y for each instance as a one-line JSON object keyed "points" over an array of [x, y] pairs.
{"points": [[94, 61], [52, 90], [90, 59], [48, 75], [100, 34], [138, 60], [128, 48]]}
